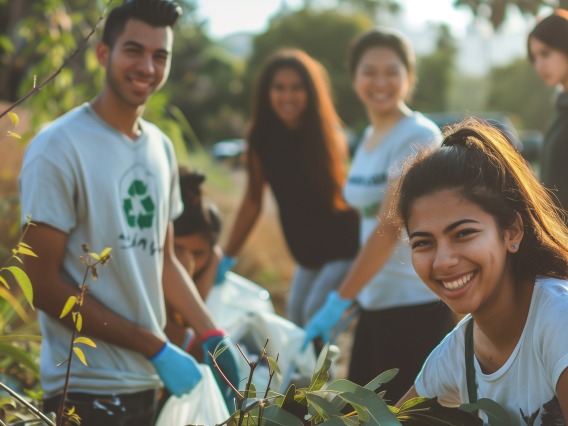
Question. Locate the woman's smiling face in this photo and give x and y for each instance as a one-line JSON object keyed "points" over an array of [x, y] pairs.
{"points": [[461, 253]]}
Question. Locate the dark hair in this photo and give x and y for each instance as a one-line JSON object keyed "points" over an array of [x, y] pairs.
{"points": [[383, 37], [476, 160], [157, 13], [200, 216], [320, 124], [552, 31]]}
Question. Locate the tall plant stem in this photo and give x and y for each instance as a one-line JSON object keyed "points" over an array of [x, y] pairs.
{"points": [[29, 406], [70, 357]]}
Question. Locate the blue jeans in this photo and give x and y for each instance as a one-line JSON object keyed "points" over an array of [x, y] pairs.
{"points": [[310, 288]]}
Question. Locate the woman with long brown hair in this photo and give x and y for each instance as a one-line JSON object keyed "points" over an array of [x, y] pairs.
{"points": [[297, 148]]}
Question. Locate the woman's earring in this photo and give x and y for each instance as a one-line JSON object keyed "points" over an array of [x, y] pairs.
{"points": [[514, 247]]}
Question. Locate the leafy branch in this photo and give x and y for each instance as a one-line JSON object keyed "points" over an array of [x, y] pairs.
{"points": [[73, 307], [323, 403], [36, 88]]}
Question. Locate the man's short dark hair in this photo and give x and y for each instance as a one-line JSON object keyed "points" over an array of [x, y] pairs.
{"points": [[157, 13]]}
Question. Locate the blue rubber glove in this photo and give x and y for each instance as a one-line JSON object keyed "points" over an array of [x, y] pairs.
{"points": [[326, 318], [177, 369], [226, 362], [225, 265]]}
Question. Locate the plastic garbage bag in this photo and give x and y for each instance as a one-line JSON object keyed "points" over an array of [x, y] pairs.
{"points": [[204, 405], [285, 340], [236, 296]]}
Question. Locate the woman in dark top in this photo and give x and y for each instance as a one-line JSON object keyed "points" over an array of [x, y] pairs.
{"points": [[297, 148], [548, 51]]}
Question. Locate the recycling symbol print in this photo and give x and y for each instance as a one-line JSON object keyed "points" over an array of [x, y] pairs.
{"points": [[138, 205]]}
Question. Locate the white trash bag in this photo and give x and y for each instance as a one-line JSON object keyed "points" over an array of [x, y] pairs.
{"points": [[285, 340], [204, 405], [235, 297]]}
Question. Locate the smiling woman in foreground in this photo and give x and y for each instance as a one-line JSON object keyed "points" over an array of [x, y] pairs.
{"points": [[487, 239]]}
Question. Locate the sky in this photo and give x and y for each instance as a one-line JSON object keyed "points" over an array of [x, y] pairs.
{"points": [[229, 16]]}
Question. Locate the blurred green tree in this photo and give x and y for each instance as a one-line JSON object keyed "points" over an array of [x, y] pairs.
{"points": [[517, 89], [328, 44], [496, 10], [435, 73]]}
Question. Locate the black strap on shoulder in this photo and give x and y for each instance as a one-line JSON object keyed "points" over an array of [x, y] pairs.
{"points": [[469, 368]]}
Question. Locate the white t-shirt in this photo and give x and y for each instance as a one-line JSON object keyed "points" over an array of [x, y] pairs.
{"points": [[525, 385], [86, 179], [371, 171]]}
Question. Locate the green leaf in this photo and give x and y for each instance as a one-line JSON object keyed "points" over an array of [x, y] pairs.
{"points": [[14, 135], [80, 354], [381, 379], [24, 282], [250, 392], [322, 406], [4, 282], [496, 414], [26, 251], [20, 356], [14, 118], [339, 386], [14, 303], [86, 341], [72, 301], [274, 415], [370, 407], [79, 322], [105, 252], [289, 397], [321, 373], [7, 45], [273, 364], [95, 256], [428, 411]]}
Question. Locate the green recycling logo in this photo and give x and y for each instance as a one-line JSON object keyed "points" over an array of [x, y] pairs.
{"points": [[139, 206]]}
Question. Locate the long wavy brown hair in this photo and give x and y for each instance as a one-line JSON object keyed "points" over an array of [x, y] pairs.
{"points": [[320, 123]]}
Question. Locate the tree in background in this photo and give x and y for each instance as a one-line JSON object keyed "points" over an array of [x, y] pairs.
{"points": [[435, 72], [323, 34], [206, 85], [496, 10], [517, 89], [36, 38]]}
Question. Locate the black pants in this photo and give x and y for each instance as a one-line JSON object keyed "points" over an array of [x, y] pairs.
{"points": [[397, 338], [136, 409]]}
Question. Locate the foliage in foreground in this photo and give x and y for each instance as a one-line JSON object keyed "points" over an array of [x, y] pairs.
{"points": [[341, 402]]}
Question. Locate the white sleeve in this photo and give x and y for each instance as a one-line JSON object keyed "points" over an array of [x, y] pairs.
{"points": [[443, 370], [47, 189], [553, 336]]}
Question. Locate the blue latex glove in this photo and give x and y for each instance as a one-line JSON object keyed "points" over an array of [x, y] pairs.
{"points": [[177, 369], [326, 318], [225, 265], [227, 364]]}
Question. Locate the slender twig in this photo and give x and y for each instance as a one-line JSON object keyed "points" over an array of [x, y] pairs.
{"points": [[71, 346], [36, 89], [29, 406], [252, 366], [223, 374]]}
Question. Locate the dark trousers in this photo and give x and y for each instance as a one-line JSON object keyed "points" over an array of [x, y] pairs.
{"points": [[137, 409], [397, 338]]}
